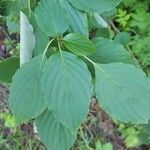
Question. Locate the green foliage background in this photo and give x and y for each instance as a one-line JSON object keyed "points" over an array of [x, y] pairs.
{"points": [[133, 17]]}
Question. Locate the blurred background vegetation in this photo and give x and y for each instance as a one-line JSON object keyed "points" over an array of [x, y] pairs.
{"points": [[129, 25]]}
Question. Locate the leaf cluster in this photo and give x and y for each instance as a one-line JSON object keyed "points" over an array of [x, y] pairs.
{"points": [[56, 91]]}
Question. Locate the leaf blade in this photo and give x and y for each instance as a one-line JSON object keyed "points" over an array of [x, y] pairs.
{"points": [[78, 44], [52, 20], [41, 41], [8, 68], [53, 134], [100, 6], [78, 19], [123, 91], [108, 51], [26, 98], [73, 81]]}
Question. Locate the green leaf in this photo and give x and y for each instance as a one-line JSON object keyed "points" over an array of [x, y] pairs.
{"points": [[16, 6], [13, 27], [123, 38], [51, 17], [99, 6], [41, 38], [123, 91], [103, 32], [78, 44], [144, 135], [107, 146], [97, 21], [98, 145], [67, 86], [78, 19], [41, 41], [12, 7], [53, 134], [8, 68], [108, 51], [26, 97], [110, 13], [3, 7]]}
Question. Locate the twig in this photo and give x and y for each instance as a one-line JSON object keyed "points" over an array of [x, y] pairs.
{"points": [[85, 141], [113, 26]]}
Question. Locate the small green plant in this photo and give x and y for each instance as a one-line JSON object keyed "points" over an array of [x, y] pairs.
{"points": [[106, 146], [122, 17], [130, 134], [139, 27], [54, 86], [9, 120]]}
